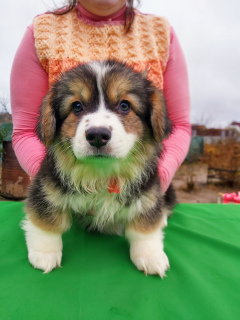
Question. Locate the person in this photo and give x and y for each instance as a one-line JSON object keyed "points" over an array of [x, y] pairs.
{"points": [[88, 30]]}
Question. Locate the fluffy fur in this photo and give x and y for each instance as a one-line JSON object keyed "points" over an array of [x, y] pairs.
{"points": [[103, 125]]}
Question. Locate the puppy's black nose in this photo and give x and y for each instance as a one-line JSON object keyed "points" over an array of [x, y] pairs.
{"points": [[98, 136]]}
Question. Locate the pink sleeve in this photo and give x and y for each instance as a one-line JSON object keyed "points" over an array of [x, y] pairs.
{"points": [[29, 84], [176, 91]]}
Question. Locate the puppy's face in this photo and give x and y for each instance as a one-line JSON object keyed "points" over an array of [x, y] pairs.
{"points": [[103, 109]]}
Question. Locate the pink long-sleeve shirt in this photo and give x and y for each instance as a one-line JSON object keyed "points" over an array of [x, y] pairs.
{"points": [[30, 83]]}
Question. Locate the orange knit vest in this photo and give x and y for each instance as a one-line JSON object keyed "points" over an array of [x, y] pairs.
{"points": [[63, 42]]}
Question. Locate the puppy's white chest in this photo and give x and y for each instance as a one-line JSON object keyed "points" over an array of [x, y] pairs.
{"points": [[104, 208], [102, 203]]}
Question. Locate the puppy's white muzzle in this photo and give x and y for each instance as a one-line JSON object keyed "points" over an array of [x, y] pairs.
{"points": [[102, 133]]}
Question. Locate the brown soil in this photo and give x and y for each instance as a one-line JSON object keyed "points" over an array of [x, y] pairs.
{"points": [[191, 185]]}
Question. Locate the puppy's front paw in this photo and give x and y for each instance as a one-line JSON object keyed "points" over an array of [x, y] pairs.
{"points": [[45, 261], [151, 262], [44, 248], [146, 251]]}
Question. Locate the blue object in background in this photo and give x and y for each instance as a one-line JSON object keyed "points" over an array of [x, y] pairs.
{"points": [[196, 149]]}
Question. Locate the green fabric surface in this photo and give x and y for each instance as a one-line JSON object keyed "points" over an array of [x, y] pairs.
{"points": [[98, 280]]}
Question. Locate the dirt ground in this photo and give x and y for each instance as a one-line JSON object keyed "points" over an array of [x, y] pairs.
{"points": [[191, 185], [198, 190]]}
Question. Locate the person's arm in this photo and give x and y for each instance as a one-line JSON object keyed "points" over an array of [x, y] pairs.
{"points": [[29, 84], [176, 92]]}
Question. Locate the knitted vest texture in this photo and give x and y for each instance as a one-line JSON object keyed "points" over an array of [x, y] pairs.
{"points": [[63, 42]]}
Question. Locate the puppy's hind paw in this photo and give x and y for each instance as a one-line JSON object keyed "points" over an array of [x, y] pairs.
{"points": [[45, 261]]}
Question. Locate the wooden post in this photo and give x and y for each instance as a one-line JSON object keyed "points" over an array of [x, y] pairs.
{"points": [[15, 181]]}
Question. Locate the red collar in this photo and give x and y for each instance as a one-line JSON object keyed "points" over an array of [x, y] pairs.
{"points": [[114, 186]]}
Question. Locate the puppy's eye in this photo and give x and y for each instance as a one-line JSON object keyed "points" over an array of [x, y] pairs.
{"points": [[77, 106], [124, 106]]}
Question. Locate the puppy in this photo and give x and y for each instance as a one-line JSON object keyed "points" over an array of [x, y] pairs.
{"points": [[103, 125]]}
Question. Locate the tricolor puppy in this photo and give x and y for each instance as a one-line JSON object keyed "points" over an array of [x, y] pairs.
{"points": [[103, 125]]}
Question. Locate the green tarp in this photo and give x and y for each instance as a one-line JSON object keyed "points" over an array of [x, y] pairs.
{"points": [[98, 280]]}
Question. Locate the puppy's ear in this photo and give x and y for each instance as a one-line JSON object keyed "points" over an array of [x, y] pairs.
{"points": [[46, 126], [161, 124]]}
